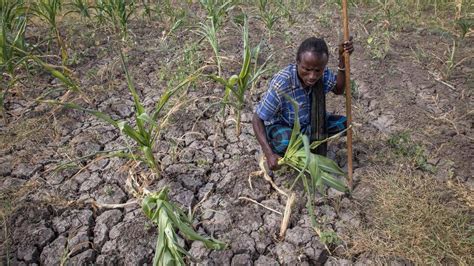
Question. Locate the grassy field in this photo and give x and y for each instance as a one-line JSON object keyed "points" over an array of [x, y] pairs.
{"points": [[111, 106]]}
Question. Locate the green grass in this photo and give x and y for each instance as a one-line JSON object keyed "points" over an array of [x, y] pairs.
{"points": [[405, 148]]}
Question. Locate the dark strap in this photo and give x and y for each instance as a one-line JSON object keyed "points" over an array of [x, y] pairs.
{"points": [[318, 117]]}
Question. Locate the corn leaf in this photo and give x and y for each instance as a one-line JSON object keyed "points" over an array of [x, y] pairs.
{"points": [[328, 165]]}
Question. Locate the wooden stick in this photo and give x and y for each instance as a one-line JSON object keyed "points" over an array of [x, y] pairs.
{"points": [[348, 93]]}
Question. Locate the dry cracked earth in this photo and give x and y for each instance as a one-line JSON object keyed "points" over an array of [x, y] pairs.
{"points": [[204, 161]]}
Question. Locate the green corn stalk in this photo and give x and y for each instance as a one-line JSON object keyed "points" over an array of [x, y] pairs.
{"points": [[465, 25], [285, 12], [12, 39], [81, 7], [49, 10], [237, 85], [320, 169], [63, 77], [266, 15], [170, 218], [146, 129], [217, 10], [209, 31], [117, 13]]}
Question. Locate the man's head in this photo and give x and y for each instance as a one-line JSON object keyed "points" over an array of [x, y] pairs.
{"points": [[311, 60]]}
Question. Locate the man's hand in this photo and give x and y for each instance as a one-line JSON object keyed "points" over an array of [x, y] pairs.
{"points": [[272, 161], [346, 46]]}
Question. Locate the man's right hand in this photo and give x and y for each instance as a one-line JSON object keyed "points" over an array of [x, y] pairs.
{"points": [[272, 161]]}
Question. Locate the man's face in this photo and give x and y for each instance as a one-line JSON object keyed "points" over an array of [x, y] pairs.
{"points": [[311, 67]]}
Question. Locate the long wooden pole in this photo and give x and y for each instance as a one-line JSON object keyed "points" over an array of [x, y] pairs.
{"points": [[347, 66]]}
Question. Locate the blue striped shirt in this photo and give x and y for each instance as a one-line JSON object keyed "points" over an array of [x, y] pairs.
{"points": [[275, 108]]}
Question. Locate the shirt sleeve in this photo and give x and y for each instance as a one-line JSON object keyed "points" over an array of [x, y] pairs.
{"points": [[270, 104], [329, 80]]}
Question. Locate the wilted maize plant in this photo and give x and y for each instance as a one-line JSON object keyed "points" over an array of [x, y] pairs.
{"points": [[170, 218], [320, 168]]}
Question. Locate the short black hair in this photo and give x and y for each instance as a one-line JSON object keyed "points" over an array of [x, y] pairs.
{"points": [[314, 45]]}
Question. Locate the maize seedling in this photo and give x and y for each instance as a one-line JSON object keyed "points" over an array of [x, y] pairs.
{"points": [[117, 12], [49, 10], [217, 9], [209, 31], [169, 218], [237, 85], [147, 128]]}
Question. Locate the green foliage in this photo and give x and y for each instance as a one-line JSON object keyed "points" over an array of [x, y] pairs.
{"points": [[299, 156], [329, 237], [285, 12], [209, 31], [217, 10], [48, 11], [405, 147], [237, 85], [169, 218], [268, 16], [146, 129], [81, 7], [117, 13], [465, 25], [378, 42], [12, 43], [450, 62]]}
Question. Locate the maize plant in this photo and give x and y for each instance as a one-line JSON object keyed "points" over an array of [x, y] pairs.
{"points": [[81, 7], [217, 9], [267, 15], [320, 169], [12, 41], [169, 218], [209, 31], [49, 10], [237, 85], [117, 12], [147, 129]]}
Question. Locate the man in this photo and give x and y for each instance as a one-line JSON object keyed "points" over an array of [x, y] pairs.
{"points": [[309, 77]]}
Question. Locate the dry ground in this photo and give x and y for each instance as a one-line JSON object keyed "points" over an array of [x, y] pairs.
{"points": [[412, 201]]}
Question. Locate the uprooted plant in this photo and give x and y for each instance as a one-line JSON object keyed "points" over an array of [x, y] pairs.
{"points": [[320, 169], [237, 85]]}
